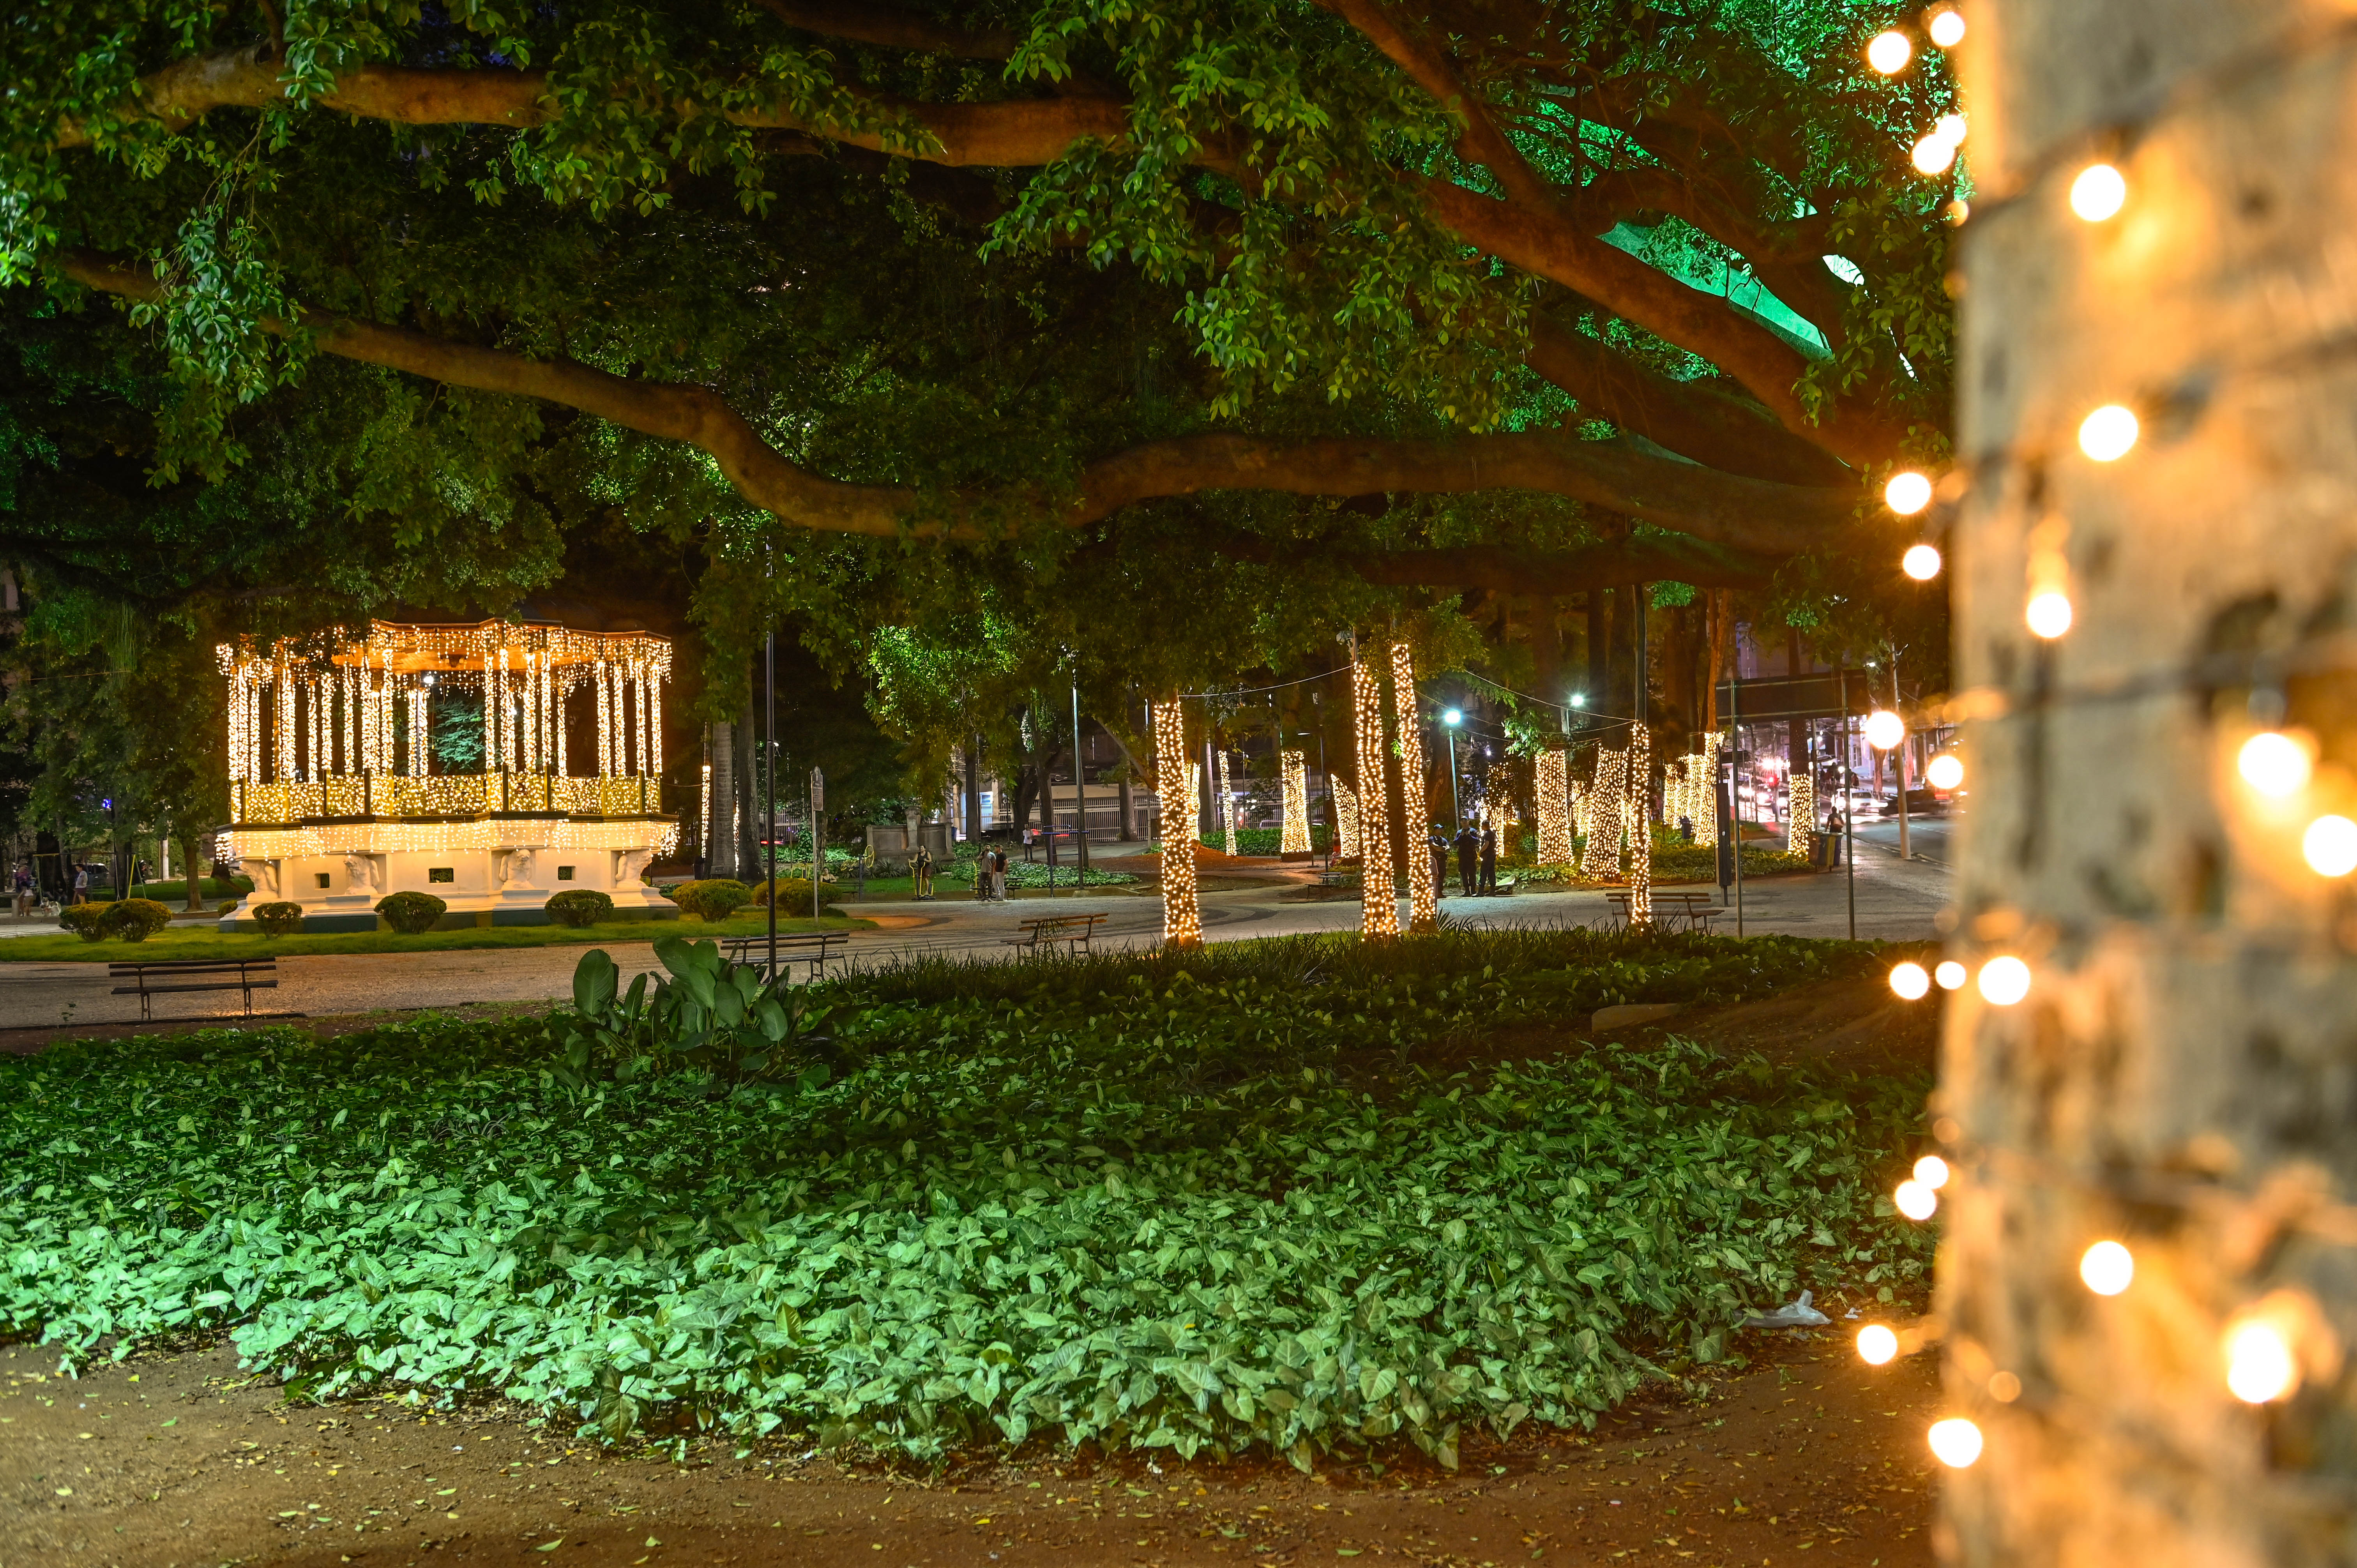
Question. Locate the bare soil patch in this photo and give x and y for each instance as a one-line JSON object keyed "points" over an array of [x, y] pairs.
{"points": [[1805, 1456]]}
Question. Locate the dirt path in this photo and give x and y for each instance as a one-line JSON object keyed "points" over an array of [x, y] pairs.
{"points": [[1806, 1457]]}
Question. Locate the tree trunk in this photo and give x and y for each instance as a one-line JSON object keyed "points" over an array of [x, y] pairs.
{"points": [[195, 872], [1717, 619], [1599, 651], [750, 773], [973, 822], [2182, 1074], [721, 749]]}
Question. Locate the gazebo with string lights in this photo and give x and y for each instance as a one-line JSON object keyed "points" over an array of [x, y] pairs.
{"points": [[340, 790]]}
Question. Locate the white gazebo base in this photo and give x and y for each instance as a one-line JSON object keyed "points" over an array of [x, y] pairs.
{"points": [[491, 871]]}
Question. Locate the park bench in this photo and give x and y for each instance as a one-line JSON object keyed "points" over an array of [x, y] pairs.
{"points": [[1042, 935], [1695, 911], [814, 948], [149, 981], [1339, 878]]}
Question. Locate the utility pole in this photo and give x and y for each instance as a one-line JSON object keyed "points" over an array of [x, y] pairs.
{"points": [[769, 794], [1080, 790], [1899, 759], [1849, 804]]}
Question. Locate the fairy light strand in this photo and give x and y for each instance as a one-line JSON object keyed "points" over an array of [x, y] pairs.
{"points": [[1182, 915], [1423, 898], [1293, 768], [1378, 898]]}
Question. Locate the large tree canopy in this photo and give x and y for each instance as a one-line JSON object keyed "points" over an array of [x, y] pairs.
{"points": [[1047, 316]]}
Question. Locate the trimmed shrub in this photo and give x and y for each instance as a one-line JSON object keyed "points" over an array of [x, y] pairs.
{"points": [[280, 919], [410, 914], [136, 919], [793, 895], [224, 907], [87, 921], [714, 899], [578, 907]]}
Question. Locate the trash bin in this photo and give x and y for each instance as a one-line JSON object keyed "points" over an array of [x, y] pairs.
{"points": [[1824, 851]]}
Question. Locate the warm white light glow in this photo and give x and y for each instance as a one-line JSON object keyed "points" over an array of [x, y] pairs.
{"points": [[1922, 562], [2098, 193], [1931, 1171], [1947, 28], [2005, 981], [1889, 52], [2331, 846], [1951, 975], [1875, 1343], [2259, 1364], [1909, 980], [1955, 1442], [1934, 154], [1949, 128], [1884, 729], [2274, 764], [1908, 493], [2107, 1268], [2108, 433], [1945, 771], [1914, 1199], [2049, 614]]}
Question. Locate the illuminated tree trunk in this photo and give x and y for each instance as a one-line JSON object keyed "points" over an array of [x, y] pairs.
{"points": [[1182, 914], [2182, 1074], [1378, 899]]}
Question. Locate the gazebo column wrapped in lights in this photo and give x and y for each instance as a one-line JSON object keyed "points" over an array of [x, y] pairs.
{"points": [[339, 795]]}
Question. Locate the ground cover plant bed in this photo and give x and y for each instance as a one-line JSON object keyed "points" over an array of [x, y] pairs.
{"points": [[1129, 1202]]}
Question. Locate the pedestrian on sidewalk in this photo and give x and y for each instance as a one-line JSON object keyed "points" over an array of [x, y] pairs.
{"points": [[23, 889], [81, 885], [1469, 848], [1490, 858], [998, 875]]}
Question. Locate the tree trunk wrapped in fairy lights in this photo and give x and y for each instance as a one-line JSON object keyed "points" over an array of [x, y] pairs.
{"points": [[1182, 912], [1293, 773], [2148, 1081], [1378, 898], [1423, 896]]}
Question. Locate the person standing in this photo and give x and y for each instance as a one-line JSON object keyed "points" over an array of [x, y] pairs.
{"points": [[24, 890], [998, 875], [1467, 851], [1490, 858], [922, 863], [81, 884]]}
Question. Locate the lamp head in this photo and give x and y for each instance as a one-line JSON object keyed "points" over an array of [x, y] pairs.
{"points": [[1452, 718]]}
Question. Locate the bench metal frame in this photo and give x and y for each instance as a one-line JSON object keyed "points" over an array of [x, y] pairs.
{"points": [[816, 947], [245, 984], [1074, 931]]}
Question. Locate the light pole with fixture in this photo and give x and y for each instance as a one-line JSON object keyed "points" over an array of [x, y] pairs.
{"points": [[1450, 718]]}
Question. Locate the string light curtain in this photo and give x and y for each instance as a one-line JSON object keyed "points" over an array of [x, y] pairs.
{"points": [[1638, 815], [1182, 913], [1346, 820], [1551, 785], [1423, 898], [1378, 898], [1293, 770]]}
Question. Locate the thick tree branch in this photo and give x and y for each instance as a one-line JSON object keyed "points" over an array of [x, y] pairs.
{"points": [[1718, 507], [1692, 421], [1015, 134], [1502, 571]]}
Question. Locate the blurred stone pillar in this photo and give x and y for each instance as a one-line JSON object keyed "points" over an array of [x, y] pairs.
{"points": [[2182, 1074]]}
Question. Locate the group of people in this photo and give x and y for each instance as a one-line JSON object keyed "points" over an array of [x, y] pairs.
{"points": [[1477, 859], [990, 876]]}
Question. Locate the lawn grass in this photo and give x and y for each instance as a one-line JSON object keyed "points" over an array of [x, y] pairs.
{"points": [[1204, 1200], [186, 943]]}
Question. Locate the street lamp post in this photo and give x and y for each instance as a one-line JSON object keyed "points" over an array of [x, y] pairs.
{"points": [[1450, 718]]}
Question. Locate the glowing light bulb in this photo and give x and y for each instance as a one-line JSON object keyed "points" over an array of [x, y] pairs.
{"points": [[1915, 1200], [1931, 1171], [1934, 154], [1907, 492], [1889, 52], [1947, 28], [1955, 1442], [1945, 771], [2329, 846], [2107, 1268], [2098, 193], [1951, 975], [2005, 981], [1949, 128], [2049, 614], [2274, 764], [1922, 562], [1876, 1344], [2259, 1364], [1956, 212], [1909, 980], [2108, 433]]}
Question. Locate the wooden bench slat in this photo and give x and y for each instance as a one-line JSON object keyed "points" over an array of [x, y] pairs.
{"points": [[224, 985]]}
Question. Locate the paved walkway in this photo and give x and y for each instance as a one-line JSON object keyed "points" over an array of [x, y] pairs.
{"points": [[1893, 900]]}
